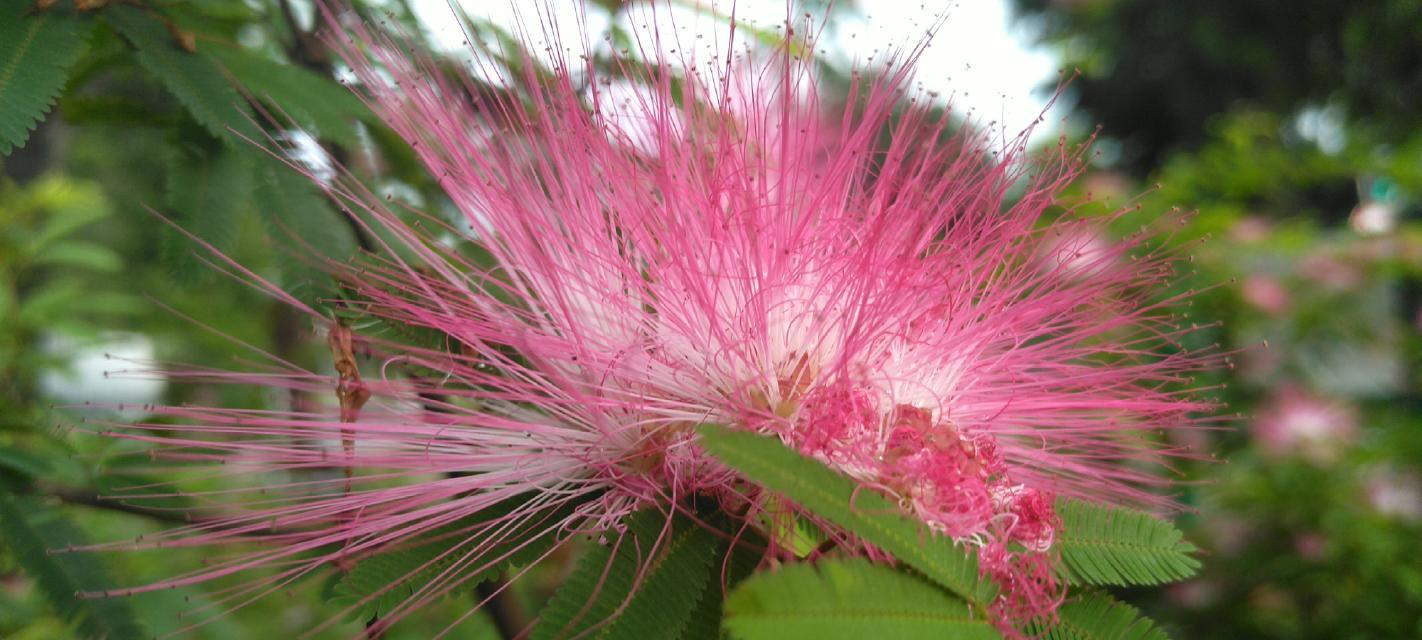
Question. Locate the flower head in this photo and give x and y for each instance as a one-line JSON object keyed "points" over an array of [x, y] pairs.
{"points": [[1296, 421], [744, 255]]}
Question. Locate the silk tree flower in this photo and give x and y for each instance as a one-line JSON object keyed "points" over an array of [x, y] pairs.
{"points": [[745, 255], [1297, 422]]}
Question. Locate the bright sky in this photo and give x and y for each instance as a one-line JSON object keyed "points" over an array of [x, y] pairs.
{"points": [[978, 60]]}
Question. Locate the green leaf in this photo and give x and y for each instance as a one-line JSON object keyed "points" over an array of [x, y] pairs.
{"points": [[57, 299], [36, 52], [303, 228], [115, 111], [193, 78], [727, 571], [848, 598], [19, 469], [31, 532], [672, 582], [839, 500], [84, 255], [327, 109], [69, 206], [667, 600], [208, 189], [1106, 545], [386, 580], [1097, 616]]}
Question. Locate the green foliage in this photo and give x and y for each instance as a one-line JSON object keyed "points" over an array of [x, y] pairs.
{"points": [[1156, 75], [31, 533], [192, 77], [848, 598], [324, 108], [737, 562], [377, 585], [303, 227], [1097, 616], [1106, 545], [838, 499], [36, 53], [209, 186], [646, 584]]}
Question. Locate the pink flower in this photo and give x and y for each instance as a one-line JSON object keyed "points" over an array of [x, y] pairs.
{"points": [[1251, 229], [1333, 272], [1396, 494], [1311, 545], [740, 261], [1296, 422], [1266, 293]]}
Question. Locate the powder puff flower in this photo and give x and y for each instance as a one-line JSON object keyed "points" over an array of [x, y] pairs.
{"points": [[743, 255]]}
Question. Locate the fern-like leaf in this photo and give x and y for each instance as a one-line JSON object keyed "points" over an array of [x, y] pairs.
{"points": [[192, 77], [1097, 616], [848, 598], [304, 230], [668, 597], [732, 565], [36, 52], [1106, 545], [382, 582], [598, 601], [838, 499], [208, 189], [326, 108], [31, 532]]}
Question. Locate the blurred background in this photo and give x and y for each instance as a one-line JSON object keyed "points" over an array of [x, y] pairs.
{"points": [[1291, 128]]}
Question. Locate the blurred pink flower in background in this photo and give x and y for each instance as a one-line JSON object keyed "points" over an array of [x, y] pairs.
{"points": [[1193, 594], [1311, 545], [1266, 292], [1331, 271], [1374, 217], [1228, 533], [1297, 422], [1251, 230], [1396, 494]]}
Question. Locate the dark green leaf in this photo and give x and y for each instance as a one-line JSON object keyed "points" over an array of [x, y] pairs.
{"points": [[19, 469], [31, 533], [667, 600], [677, 569], [304, 230], [382, 582], [193, 78], [208, 189], [848, 598], [836, 498], [327, 109], [1107, 545], [733, 564], [36, 52], [1097, 616], [111, 111]]}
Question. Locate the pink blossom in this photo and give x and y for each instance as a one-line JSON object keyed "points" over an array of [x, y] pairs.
{"points": [[1296, 422], [1333, 272], [730, 258], [1311, 545], [1193, 594], [1266, 292], [1396, 494], [1251, 229]]}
